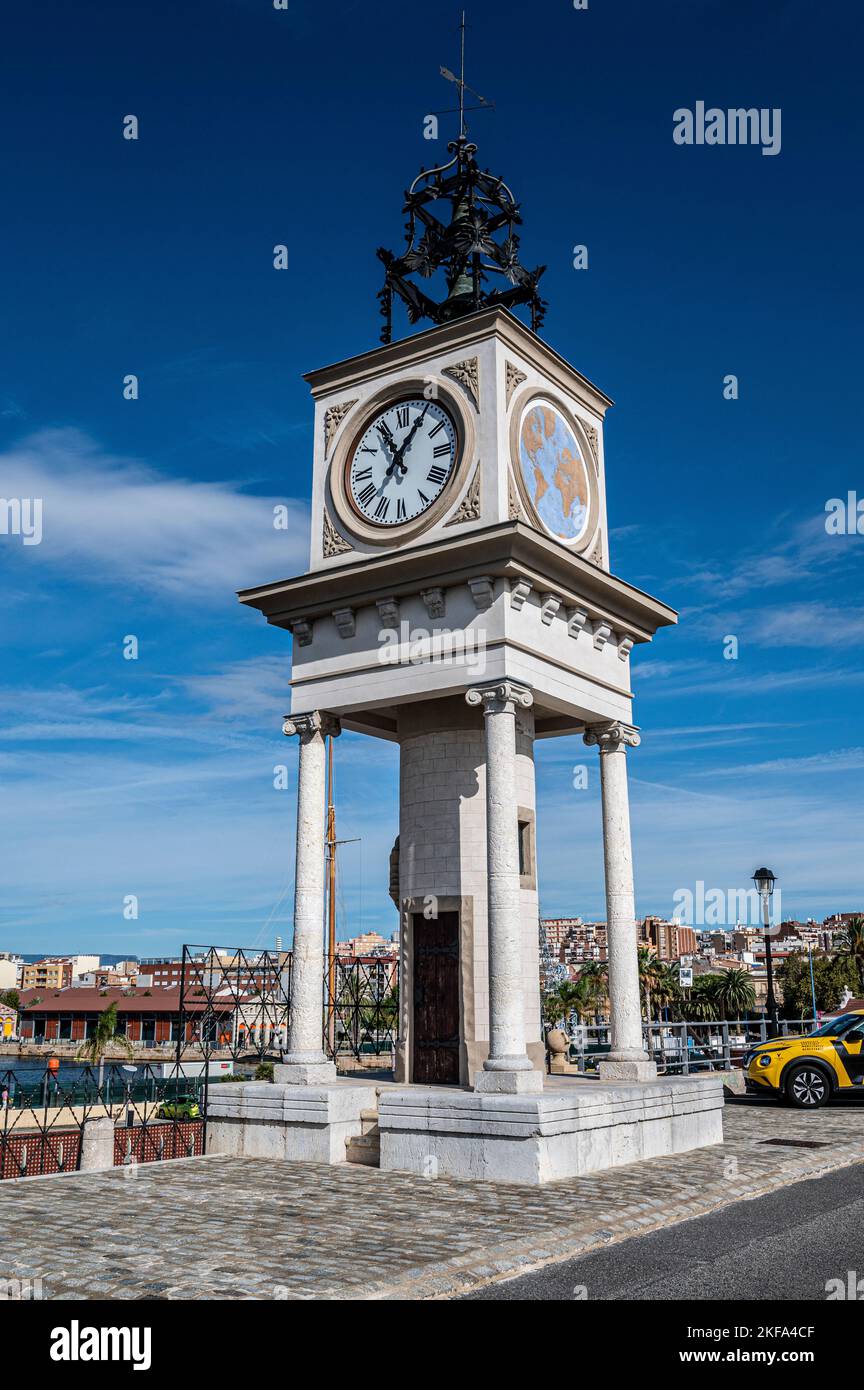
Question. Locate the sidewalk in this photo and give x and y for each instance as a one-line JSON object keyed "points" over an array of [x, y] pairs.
{"points": [[225, 1228]]}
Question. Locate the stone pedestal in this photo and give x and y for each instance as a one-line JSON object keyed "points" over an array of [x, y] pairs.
{"points": [[254, 1119], [543, 1138], [97, 1144]]}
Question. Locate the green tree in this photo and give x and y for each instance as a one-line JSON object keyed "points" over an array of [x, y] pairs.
{"points": [[832, 976], [702, 1005], [852, 944], [667, 987], [735, 994], [105, 1038], [594, 975], [11, 998], [567, 999]]}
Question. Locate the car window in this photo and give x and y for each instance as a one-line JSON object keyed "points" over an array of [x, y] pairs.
{"points": [[835, 1027]]}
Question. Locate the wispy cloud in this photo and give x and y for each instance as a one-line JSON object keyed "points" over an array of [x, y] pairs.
{"points": [[122, 521]]}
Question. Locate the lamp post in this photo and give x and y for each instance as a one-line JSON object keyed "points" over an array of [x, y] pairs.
{"points": [[765, 880]]}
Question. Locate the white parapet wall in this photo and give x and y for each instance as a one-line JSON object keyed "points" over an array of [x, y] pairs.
{"points": [[256, 1119], [547, 1137]]}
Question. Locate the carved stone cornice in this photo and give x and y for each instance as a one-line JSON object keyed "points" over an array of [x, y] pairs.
{"points": [[469, 507], [512, 378], [610, 738], [308, 725], [501, 698], [332, 420], [467, 374], [333, 543]]}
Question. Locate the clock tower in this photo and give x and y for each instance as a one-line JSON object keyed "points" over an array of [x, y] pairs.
{"points": [[460, 602]]}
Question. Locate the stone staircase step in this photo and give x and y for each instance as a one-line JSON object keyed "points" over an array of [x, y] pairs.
{"points": [[364, 1148]]}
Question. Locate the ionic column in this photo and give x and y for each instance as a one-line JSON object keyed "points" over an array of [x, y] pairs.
{"points": [[508, 1067], [305, 1062], [628, 1060]]}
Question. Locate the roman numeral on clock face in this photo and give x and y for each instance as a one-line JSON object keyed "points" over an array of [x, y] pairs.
{"points": [[437, 430], [440, 450], [366, 495], [382, 508], [400, 509], [362, 474], [436, 474], [402, 417]]}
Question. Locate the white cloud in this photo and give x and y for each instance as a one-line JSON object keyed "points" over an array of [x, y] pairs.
{"points": [[117, 519]]}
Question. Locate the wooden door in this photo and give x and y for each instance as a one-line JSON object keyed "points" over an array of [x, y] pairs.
{"points": [[436, 1000]]}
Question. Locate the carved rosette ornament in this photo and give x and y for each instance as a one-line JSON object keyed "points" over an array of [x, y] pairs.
{"points": [[512, 378], [610, 738], [308, 725], [469, 507], [332, 420], [333, 543], [502, 698], [467, 374]]}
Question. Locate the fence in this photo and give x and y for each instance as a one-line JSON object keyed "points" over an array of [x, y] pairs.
{"points": [[42, 1116], [233, 1015], [681, 1048]]}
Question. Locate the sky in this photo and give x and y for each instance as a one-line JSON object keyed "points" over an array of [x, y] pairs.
{"points": [[153, 779]]}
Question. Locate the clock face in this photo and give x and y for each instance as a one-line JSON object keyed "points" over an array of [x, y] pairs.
{"points": [[403, 462]]}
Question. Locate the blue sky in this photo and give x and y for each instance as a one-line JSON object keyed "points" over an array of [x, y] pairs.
{"points": [[155, 777]]}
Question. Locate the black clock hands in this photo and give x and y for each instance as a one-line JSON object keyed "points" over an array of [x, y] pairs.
{"points": [[406, 442]]}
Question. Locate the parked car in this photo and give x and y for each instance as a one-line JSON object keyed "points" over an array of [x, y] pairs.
{"points": [[806, 1071]]}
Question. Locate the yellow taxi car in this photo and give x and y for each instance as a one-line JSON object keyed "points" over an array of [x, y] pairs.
{"points": [[806, 1071]]}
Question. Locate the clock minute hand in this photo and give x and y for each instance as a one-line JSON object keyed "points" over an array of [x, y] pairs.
{"points": [[406, 442]]}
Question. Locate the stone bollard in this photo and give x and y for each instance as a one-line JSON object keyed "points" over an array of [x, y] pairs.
{"points": [[97, 1144]]}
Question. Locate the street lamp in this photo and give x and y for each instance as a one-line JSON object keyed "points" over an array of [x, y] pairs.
{"points": [[765, 880]]}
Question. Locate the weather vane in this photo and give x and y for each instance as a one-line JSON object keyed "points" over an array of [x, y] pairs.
{"points": [[464, 248], [460, 82]]}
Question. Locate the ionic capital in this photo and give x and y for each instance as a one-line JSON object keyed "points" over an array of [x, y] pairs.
{"points": [[609, 738], [501, 698], [308, 725]]}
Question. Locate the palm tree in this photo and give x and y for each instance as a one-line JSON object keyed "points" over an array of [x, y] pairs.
{"points": [[735, 994], [667, 986], [594, 974], [650, 971], [852, 944], [104, 1038], [702, 1005], [568, 998]]}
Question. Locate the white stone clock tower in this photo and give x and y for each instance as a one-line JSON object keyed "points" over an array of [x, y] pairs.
{"points": [[460, 602]]}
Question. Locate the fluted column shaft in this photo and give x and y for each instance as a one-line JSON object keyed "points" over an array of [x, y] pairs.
{"points": [[628, 1058], [508, 1067], [305, 1062]]}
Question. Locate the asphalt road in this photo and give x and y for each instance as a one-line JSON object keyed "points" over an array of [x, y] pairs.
{"points": [[783, 1246]]}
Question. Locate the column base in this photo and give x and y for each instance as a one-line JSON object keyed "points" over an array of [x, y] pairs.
{"points": [[304, 1073], [623, 1066], [511, 1083]]}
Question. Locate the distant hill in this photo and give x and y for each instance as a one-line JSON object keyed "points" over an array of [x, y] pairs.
{"points": [[104, 959]]}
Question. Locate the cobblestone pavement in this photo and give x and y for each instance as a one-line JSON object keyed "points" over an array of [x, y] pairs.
{"points": [[238, 1228]]}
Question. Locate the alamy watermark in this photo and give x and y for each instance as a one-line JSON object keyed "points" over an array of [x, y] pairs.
{"points": [[725, 907], [737, 126], [22, 516], [439, 646]]}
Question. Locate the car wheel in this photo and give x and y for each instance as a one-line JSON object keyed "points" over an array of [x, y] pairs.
{"points": [[807, 1087]]}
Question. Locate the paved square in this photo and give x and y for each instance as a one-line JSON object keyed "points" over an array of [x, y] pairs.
{"points": [[225, 1228]]}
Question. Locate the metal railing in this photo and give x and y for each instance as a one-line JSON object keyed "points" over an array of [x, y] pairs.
{"points": [[681, 1048], [43, 1113]]}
